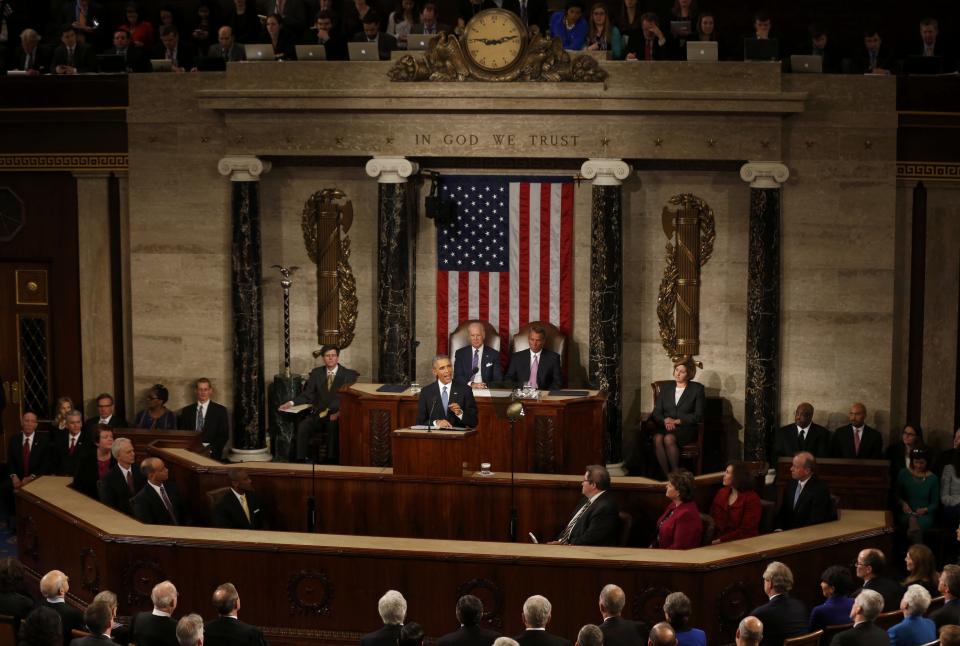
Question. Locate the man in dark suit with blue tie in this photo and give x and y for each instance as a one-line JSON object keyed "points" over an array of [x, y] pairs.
{"points": [[536, 366], [477, 364], [446, 402], [806, 499], [208, 417]]}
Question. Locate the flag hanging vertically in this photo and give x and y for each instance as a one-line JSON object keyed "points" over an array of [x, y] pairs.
{"points": [[507, 256]]}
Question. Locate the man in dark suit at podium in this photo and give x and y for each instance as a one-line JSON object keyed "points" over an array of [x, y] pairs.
{"points": [[856, 440], [208, 417], [240, 507], [803, 435], [477, 364], [323, 393], [536, 366], [446, 402], [105, 416]]}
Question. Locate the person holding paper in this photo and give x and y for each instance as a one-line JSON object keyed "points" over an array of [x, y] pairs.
{"points": [[446, 403], [322, 392]]}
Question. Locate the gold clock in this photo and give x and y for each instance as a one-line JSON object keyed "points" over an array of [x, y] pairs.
{"points": [[494, 39]]}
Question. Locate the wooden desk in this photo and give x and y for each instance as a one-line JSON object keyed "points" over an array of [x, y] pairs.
{"points": [[142, 438], [308, 588], [860, 484], [557, 434], [437, 453]]}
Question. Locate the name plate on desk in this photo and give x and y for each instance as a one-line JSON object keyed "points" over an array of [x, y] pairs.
{"points": [[443, 453]]}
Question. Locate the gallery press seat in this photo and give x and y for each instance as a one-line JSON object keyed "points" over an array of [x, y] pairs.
{"points": [[460, 337], [692, 452]]}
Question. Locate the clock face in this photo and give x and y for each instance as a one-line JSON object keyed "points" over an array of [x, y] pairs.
{"points": [[495, 39]]}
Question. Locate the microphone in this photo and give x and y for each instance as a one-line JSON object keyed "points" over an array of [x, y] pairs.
{"points": [[433, 402]]}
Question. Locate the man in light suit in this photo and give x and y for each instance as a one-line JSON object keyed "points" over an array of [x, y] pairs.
{"points": [[803, 435], [810, 505], [477, 364], [783, 616], [227, 629], [446, 402], [206, 416], [323, 393], [158, 503], [596, 520], [616, 630], [856, 440], [547, 363], [471, 633], [866, 608], [239, 508], [98, 618]]}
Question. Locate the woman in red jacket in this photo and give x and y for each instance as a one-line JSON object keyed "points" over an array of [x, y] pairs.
{"points": [[736, 509], [680, 526]]}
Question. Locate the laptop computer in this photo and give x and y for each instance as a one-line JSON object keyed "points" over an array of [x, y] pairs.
{"points": [[418, 42], [161, 65], [761, 49], [808, 64], [363, 51], [111, 63], [680, 28], [703, 51], [311, 52], [259, 52]]}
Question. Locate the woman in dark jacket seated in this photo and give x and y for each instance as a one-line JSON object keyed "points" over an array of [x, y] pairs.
{"points": [[678, 411], [835, 583], [736, 509], [680, 526]]}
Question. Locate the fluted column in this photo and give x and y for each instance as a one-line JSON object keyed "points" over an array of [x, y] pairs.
{"points": [[606, 292], [762, 400], [394, 325], [249, 419]]}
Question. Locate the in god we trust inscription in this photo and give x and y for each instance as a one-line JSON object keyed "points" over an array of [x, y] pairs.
{"points": [[496, 46]]}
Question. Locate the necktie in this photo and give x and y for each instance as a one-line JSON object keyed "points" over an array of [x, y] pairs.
{"points": [[445, 399], [476, 359], [856, 441], [329, 381], [73, 444], [246, 508], [796, 496], [534, 368], [166, 503], [565, 535], [26, 457], [130, 481], [199, 417], [803, 435], [648, 50], [873, 60], [27, 62], [70, 56]]}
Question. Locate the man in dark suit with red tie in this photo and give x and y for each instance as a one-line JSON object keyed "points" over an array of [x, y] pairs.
{"points": [[806, 500], [240, 506], [322, 392], [208, 417], [654, 45], [28, 457], [158, 503], [536, 365], [856, 440], [124, 480], [68, 444]]}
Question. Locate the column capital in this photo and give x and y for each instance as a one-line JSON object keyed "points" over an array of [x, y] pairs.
{"points": [[243, 168], [764, 174], [391, 170], [605, 172]]}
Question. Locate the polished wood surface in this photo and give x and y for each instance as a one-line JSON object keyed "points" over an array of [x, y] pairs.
{"points": [[556, 435], [860, 484], [301, 587], [142, 438], [435, 452]]}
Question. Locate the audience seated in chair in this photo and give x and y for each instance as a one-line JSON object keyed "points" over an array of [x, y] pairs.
{"points": [[393, 611], [677, 413], [782, 616], [469, 613], [476, 359], [677, 610], [736, 508], [533, 363], [915, 629], [616, 630], [806, 499], [836, 583]]}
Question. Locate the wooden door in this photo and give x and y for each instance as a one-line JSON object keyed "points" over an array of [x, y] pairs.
{"points": [[25, 343]]}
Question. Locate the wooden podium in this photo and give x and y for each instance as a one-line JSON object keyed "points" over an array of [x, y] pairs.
{"points": [[438, 452]]}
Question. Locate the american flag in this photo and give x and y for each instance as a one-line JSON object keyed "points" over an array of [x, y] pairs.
{"points": [[507, 257]]}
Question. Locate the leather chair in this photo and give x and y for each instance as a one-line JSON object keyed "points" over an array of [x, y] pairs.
{"points": [[692, 452], [460, 337], [709, 528], [213, 499], [555, 340], [810, 639]]}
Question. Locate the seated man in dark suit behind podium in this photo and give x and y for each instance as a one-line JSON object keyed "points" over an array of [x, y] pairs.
{"points": [[856, 440], [806, 499], [536, 365], [477, 364], [106, 415], [803, 435], [240, 507], [446, 402], [124, 480], [208, 417], [322, 392]]}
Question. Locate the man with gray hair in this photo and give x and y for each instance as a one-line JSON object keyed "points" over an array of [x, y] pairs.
{"points": [[227, 629], [190, 630], [53, 588], [30, 58], [616, 630], [471, 633], [536, 615], [477, 364], [866, 608], [749, 632], [393, 611], [590, 635], [915, 628], [157, 627], [123, 480], [447, 402], [662, 634], [782, 616], [505, 641], [68, 445]]}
